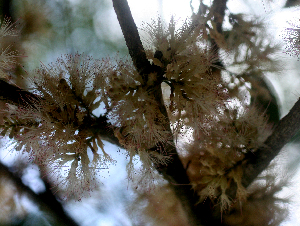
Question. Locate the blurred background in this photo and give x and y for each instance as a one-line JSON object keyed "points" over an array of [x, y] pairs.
{"points": [[52, 28]]}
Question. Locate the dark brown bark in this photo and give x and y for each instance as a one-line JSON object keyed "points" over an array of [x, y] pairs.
{"points": [[14, 95], [256, 162], [132, 38], [218, 8], [45, 200], [174, 172]]}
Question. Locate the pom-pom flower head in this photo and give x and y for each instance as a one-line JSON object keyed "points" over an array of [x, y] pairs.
{"points": [[190, 70], [54, 130], [222, 150], [137, 118], [7, 57]]}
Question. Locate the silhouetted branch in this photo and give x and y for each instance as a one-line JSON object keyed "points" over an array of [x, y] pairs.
{"points": [[256, 162], [45, 200], [132, 38], [291, 3], [174, 171], [218, 9], [14, 95]]}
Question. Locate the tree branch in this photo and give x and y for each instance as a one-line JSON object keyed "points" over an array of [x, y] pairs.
{"points": [[14, 95], [218, 10], [45, 200], [132, 38], [256, 162], [174, 171]]}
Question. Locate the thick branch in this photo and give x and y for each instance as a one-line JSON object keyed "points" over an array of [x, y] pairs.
{"points": [[256, 162], [44, 200], [218, 10], [174, 172], [132, 38], [218, 7]]}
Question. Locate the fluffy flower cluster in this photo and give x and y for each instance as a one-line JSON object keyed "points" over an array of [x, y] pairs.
{"points": [[137, 120], [190, 70], [56, 130], [60, 129], [7, 57], [262, 202], [133, 110], [217, 155]]}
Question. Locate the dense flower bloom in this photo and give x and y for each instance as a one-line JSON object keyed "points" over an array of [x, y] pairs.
{"points": [[221, 150], [54, 130], [7, 57]]}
